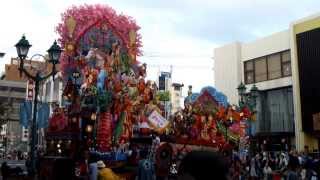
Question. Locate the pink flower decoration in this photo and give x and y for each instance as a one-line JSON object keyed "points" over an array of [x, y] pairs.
{"points": [[87, 16]]}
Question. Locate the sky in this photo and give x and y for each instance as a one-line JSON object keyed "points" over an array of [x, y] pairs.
{"points": [[175, 33]]}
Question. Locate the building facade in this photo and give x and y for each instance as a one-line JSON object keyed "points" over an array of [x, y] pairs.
{"points": [[16, 88], [176, 97], [175, 90], [12, 93], [284, 67]]}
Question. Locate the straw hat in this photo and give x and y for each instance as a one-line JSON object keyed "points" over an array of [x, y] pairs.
{"points": [[100, 164]]}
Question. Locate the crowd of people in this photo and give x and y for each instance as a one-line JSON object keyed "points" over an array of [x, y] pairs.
{"points": [[266, 165], [273, 165]]}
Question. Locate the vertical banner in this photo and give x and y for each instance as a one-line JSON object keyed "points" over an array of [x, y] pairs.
{"points": [[30, 90], [28, 109]]}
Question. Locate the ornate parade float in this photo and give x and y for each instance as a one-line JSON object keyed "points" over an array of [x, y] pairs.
{"points": [[112, 112], [208, 120], [106, 97], [105, 91]]}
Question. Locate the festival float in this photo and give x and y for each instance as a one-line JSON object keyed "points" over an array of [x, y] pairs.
{"points": [[107, 101], [208, 121]]}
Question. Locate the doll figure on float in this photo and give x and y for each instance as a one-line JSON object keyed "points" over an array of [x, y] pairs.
{"points": [[116, 55], [147, 94], [117, 87], [117, 105], [141, 86], [90, 77], [205, 132], [212, 123], [108, 64], [142, 70], [144, 127], [127, 127], [195, 127], [124, 79], [91, 57], [127, 103]]}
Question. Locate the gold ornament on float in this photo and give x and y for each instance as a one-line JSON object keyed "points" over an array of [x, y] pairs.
{"points": [[132, 37], [71, 25]]}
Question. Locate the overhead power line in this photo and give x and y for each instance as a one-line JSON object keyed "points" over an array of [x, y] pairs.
{"points": [[178, 66], [174, 55]]}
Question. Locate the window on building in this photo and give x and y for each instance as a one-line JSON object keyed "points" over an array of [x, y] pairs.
{"points": [[286, 63], [274, 66], [18, 89], [267, 68], [249, 72], [260, 69], [177, 88], [3, 88], [275, 111]]}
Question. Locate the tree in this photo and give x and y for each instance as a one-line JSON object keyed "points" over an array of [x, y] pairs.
{"points": [[164, 96]]}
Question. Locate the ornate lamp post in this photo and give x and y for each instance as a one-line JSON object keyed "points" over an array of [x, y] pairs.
{"points": [[248, 99], [54, 54]]}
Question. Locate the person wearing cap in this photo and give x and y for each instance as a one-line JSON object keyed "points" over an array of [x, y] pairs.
{"points": [[105, 173]]}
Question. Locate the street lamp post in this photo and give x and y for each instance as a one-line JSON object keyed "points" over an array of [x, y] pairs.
{"points": [[54, 54], [248, 100]]}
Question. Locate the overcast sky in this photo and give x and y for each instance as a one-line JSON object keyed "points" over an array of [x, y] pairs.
{"points": [[181, 33]]}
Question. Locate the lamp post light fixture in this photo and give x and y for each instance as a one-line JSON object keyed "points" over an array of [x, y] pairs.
{"points": [[247, 99], [54, 54], [241, 91]]}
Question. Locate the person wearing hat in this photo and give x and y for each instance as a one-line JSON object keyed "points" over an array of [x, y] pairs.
{"points": [[105, 173]]}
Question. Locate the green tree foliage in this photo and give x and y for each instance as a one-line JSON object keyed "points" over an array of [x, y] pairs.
{"points": [[163, 96]]}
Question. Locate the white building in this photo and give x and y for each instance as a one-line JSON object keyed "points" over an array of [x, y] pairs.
{"points": [[175, 90], [267, 63], [176, 97], [51, 90]]}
